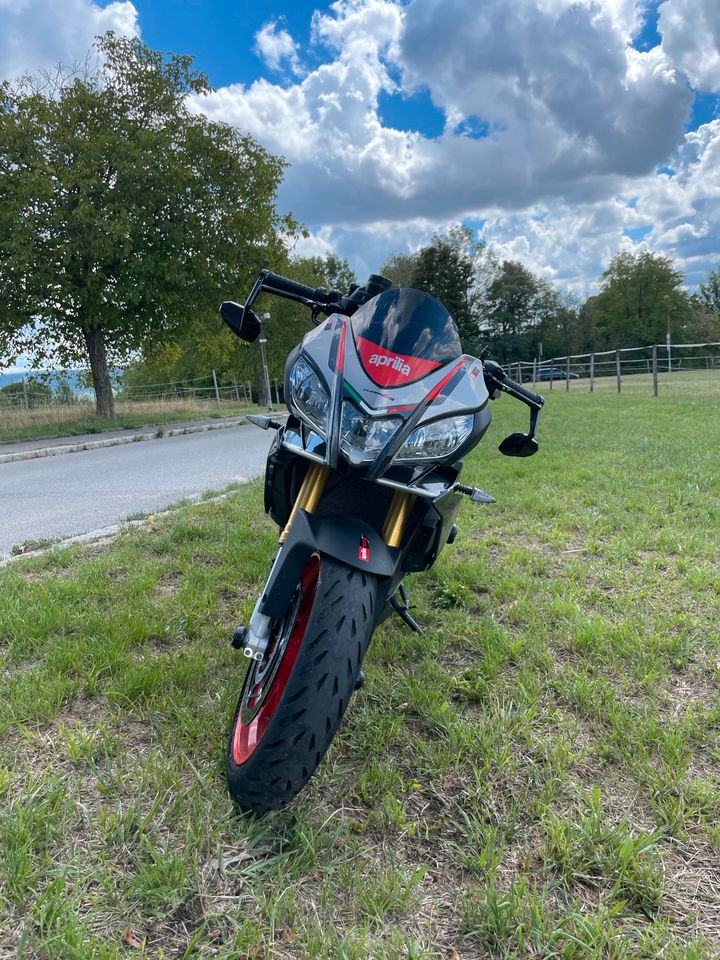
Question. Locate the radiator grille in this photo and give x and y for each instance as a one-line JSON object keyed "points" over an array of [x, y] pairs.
{"points": [[353, 495]]}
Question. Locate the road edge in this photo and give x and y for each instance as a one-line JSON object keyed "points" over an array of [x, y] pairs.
{"points": [[109, 533], [157, 434]]}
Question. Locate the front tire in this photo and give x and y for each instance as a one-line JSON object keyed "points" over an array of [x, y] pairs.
{"points": [[292, 703]]}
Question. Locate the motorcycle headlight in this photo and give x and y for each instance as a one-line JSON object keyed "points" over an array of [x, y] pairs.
{"points": [[436, 440], [362, 437], [309, 396]]}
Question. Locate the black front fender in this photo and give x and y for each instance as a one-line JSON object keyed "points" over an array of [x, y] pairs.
{"points": [[335, 536]]}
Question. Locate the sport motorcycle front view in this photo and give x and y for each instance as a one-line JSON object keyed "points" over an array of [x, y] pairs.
{"points": [[363, 481]]}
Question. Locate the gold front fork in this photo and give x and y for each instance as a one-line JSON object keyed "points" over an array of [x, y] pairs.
{"points": [[309, 495], [397, 518]]}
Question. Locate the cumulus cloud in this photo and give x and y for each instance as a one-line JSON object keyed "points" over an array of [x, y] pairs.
{"points": [[554, 124], [41, 33], [570, 108], [691, 37], [276, 47]]}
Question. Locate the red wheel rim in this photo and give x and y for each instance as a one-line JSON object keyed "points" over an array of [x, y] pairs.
{"points": [[265, 682]]}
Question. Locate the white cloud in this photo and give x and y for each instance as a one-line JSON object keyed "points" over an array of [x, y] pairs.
{"points": [[276, 47], [571, 108], [691, 37], [41, 33], [578, 121]]}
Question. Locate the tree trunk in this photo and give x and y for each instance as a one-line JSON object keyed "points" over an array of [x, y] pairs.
{"points": [[104, 400]]}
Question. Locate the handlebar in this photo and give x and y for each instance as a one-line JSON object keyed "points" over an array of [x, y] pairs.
{"points": [[495, 373], [522, 393], [274, 283]]}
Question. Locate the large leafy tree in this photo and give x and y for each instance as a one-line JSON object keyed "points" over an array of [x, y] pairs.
{"points": [[709, 292], [640, 300], [124, 215], [400, 268], [445, 268], [518, 306], [201, 347]]}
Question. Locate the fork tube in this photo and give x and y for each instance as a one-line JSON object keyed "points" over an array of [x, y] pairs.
{"points": [[397, 518], [309, 494]]}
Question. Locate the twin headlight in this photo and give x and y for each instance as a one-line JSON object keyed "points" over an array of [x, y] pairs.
{"points": [[362, 437], [309, 395]]}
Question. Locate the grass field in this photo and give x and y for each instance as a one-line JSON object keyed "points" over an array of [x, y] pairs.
{"points": [[538, 776], [73, 420]]}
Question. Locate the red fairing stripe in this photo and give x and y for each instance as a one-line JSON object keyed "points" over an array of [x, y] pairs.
{"points": [[446, 379], [341, 349], [389, 369]]}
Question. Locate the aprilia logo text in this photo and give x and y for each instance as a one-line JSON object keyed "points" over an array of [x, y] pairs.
{"points": [[396, 363]]}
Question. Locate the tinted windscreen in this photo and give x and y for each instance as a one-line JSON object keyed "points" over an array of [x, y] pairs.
{"points": [[409, 323]]}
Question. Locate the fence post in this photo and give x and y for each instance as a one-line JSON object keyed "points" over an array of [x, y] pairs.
{"points": [[654, 370], [617, 370], [277, 394], [567, 374], [217, 392], [592, 372], [25, 396], [534, 373], [237, 392]]}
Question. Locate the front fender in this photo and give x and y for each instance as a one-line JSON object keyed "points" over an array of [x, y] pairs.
{"points": [[335, 536]]}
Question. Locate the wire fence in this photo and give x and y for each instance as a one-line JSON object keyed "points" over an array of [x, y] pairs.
{"points": [[656, 365], [30, 393], [652, 367]]}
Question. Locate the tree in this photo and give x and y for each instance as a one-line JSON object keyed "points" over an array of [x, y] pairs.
{"points": [[124, 216], [702, 324], [446, 269], [640, 300], [710, 292], [400, 268], [200, 347], [26, 393], [521, 309], [330, 272]]}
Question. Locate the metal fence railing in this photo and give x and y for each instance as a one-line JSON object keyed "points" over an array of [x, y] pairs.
{"points": [[652, 360]]}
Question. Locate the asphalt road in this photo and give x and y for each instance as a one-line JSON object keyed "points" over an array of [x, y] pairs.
{"points": [[79, 493]]}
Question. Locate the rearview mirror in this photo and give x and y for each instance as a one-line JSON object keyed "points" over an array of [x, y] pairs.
{"points": [[242, 321], [519, 445]]}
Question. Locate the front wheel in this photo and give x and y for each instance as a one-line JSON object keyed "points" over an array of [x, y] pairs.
{"points": [[292, 703]]}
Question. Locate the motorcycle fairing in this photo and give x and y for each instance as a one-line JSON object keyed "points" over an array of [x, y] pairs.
{"points": [[462, 394], [401, 335], [453, 389]]}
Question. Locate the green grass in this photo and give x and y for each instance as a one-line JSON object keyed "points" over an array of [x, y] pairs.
{"points": [[75, 420], [536, 776]]}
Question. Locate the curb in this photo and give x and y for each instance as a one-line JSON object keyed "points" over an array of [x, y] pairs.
{"points": [[111, 531], [114, 441]]}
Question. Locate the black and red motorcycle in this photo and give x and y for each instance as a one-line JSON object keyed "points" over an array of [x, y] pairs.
{"points": [[363, 480]]}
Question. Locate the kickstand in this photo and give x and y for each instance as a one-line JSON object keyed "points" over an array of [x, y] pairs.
{"points": [[402, 609]]}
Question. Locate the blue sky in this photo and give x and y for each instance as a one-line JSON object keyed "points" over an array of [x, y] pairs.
{"points": [[220, 34], [561, 131]]}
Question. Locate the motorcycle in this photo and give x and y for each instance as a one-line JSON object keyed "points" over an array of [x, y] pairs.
{"points": [[363, 481]]}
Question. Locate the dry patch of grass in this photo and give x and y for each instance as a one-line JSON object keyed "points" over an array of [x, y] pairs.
{"points": [[75, 419]]}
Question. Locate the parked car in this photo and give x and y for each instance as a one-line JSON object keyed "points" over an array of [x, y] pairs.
{"points": [[552, 373]]}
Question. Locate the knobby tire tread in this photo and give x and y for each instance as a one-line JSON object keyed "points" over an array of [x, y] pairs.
{"points": [[318, 691]]}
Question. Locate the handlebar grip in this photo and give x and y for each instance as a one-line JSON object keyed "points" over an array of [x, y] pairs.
{"points": [[512, 386], [295, 289]]}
